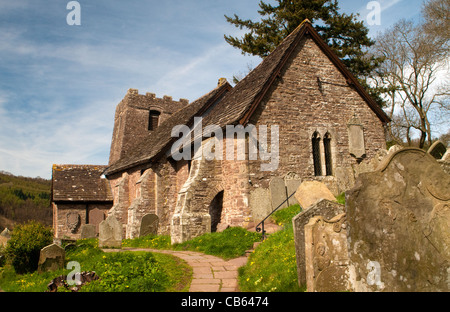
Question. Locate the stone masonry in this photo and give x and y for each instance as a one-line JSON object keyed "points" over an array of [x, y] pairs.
{"points": [[301, 89]]}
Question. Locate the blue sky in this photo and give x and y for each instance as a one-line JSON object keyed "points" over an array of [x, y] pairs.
{"points": [[60, 84]]}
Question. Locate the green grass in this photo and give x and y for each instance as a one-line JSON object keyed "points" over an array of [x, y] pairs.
{"points": [[272, 266], [229, 244], [150, 241], [284, 216], [341, 198], [118, 271]]}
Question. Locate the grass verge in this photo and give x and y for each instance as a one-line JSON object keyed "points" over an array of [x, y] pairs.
{"points": [[229, 244], [272, 266]]}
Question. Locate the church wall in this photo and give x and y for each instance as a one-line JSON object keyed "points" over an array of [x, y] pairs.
{"points": [[312, 95]]}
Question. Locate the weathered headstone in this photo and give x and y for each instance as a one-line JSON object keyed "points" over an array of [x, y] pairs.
{"points": [[149, 225], [277, 189], [325, 208], [311, 192], [51, 258], [88, 231], [260, 203], [437, 150], [326, 254], [110, 233], [73, 221], [398, 221], [356, 138]]}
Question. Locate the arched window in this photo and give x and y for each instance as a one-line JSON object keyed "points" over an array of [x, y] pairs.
{"points": [[153, 120], [316, 154], [327, 151]]}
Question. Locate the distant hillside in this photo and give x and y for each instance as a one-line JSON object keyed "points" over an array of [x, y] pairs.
{"points": [[23, 199]]}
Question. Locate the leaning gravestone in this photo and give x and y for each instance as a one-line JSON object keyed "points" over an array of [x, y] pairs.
{"points": [[310, 193], [110, 233], [325, 208], [398, 222], [51, 258], [437, 150], [149, 225]]}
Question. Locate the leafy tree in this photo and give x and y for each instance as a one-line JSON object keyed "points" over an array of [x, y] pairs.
{"points": [[346, 36]]}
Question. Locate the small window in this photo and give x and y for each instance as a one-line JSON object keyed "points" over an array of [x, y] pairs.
{"points": [[327, 150], [316, 154], [153, 120]]}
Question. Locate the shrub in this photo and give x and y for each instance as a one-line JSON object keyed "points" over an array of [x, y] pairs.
{"points": [[25, 244], [2, 256]]}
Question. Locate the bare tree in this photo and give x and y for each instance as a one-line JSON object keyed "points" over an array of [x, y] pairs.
{"points": [[414, 75], [437, 19]]}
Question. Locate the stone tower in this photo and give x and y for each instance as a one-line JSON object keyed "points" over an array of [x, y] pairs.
{"points": [[137, 116]]}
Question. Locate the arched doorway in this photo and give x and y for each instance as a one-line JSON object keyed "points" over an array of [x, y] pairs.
{"points": [[215, 210]]}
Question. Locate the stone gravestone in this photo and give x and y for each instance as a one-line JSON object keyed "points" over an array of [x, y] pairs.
{"points": [[88, 231], [398, 222], [437, 150], [73, 221], [311, 192], [292, 181], [326, 254], [277, 189], [356, 138], [260, 204], [51, 258], [110, 233], [325, 208], [95, 217], [149, 225]]}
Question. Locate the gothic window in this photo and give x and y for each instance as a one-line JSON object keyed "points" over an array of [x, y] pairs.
{"points": [[316, 154], [327, 150], [153, 120]]}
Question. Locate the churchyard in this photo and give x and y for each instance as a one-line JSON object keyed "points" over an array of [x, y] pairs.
{"points": [[390, 232]]}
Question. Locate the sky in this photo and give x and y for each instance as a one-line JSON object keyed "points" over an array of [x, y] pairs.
{"points": [[60, 83]]}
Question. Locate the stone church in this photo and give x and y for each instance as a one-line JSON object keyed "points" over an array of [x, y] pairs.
{"points": [[320, 121]]}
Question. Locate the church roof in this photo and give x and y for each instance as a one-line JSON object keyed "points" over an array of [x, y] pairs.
{"points": [[80, 183], [161, 138], [238, 105], [242, 101]]}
